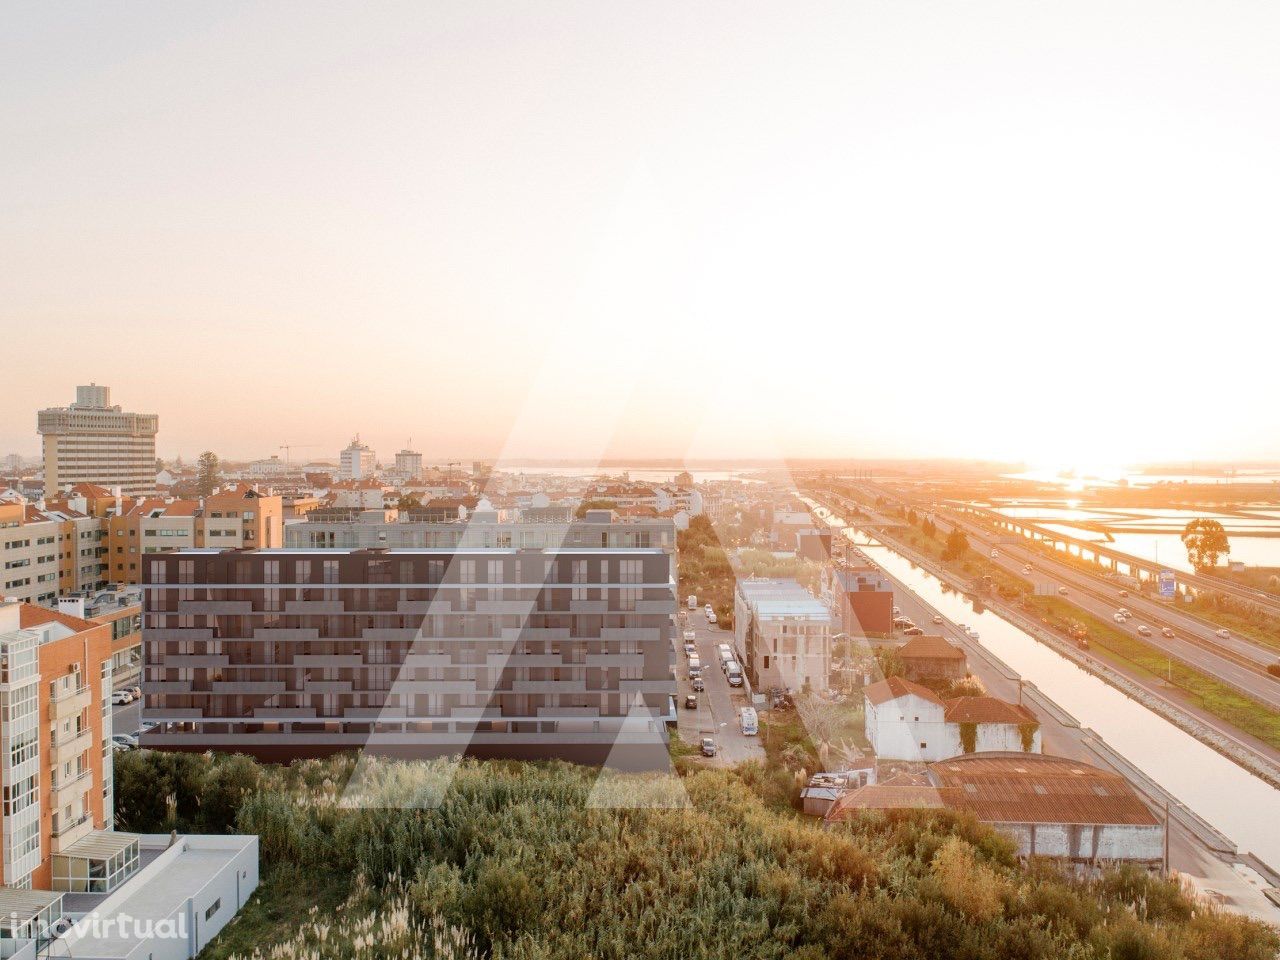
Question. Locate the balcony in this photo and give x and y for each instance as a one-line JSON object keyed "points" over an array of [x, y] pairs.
{"points": [[67, 834], [70, 704], [68, 747], [65, 791]]}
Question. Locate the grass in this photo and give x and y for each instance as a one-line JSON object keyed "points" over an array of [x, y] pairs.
{"points": [[281, 902], [1211, 695]]}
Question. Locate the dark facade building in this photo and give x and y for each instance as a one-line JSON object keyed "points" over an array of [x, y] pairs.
{"points": [[864, 598], [524, 653]]}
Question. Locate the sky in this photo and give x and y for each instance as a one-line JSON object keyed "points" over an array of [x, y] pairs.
{"points": [[1030, 231]]}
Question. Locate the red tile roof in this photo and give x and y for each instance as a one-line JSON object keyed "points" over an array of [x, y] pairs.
{"points": [[31, 615], [884, 796], [931, 648], [987, 710], [1034, 788], [894, 687]]}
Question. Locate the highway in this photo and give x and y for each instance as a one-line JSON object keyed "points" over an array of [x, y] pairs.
{"points": [[1207, 870], [1236, 662]]}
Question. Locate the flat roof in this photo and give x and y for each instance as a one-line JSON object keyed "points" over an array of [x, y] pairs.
{"points": [[782, 598]]}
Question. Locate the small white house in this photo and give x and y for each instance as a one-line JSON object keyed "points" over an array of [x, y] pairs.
{"points": [[908, 721]]}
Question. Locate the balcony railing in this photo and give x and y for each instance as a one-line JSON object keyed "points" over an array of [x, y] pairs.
{"points": [[65, 828]]}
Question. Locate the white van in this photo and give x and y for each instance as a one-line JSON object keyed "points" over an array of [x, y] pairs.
{"points": [[695, 667], [749, 722], [726, 654], [692, 601], [734, 673]]}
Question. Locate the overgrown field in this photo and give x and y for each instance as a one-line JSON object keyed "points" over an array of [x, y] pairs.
{"points": [[512, 861]]}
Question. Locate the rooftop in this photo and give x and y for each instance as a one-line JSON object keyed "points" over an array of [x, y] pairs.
{"points": [[782, 598], [930, 648], [885, 690]]}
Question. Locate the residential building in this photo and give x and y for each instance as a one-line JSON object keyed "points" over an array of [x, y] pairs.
{"points": [[489, 651], [932, 658], [785, 634], [92, 441], [239, 515], [55, 750], [357, 461], [863, 599], [908, 721], [408, 463]]}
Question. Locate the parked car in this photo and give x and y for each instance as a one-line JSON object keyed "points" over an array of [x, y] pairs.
{"points": [[708, 611], [690, 636], [124, 741], [698, 684], [1168, 632], [711, 617], [136, 691], [147, 725], [708, 747], [690, 650], [121, 697], [1144, 630], [913, 632], [691, 702]]}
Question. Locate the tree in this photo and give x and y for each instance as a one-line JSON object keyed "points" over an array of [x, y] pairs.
{"points": [[957, 545], [1205, 541], [208, 474], [593, 505]]}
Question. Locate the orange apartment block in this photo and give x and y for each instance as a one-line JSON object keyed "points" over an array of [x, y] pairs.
{"points": [[55, 768]]}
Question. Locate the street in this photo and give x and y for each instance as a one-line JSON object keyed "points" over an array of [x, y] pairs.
{"points": [[719, 703]]}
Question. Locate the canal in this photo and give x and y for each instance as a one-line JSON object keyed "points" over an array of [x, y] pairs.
{"points": [[1243, 807]]}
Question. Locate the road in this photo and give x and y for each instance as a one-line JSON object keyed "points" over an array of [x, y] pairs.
{"points": [[1193, 643], [1206, 869], [1236, 661], [719, 703]]}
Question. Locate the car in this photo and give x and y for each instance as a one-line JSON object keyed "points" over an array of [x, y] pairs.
{"points": [[690, 650], [698, 684], [1026, 568], [1144, 630], [1124, 593], [121, 697], [690, 636], [913, 632], [897, 611], [708, 747], [1118, 617], [995, 554], [937, 618], [691, 702], [123, 741], [711, 617], [1062, 591], [708, 610], [1224, 633], [973, 633], [147, 725], [136, 691], [1168, 632]]}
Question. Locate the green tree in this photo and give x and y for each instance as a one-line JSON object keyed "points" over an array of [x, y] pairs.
{"points": [[1205, 541], [957, 545], [208, 473], [593, 505]]}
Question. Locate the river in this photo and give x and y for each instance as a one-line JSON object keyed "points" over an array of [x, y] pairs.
{"points": [[1239, 804]]}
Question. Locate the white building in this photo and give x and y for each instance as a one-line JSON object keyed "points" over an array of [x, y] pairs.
{"points": [[785, 634], [907, 721], [92, 441], [408, 463], [357, 461]]}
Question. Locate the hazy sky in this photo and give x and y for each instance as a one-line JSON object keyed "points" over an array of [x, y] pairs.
{"points": [[1025, 230]]}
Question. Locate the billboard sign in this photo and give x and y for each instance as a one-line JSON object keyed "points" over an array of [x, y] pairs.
{"points": [[1168, 584]]}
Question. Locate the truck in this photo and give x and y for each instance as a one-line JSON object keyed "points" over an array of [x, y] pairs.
{"points": [[749, 722]]}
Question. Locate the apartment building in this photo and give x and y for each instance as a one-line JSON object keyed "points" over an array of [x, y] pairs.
{"points": [[236, 516], [357, 461], [55, 752], [49, 549], [428, 528], [489, 651], [92, 441], [784, 633]]}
